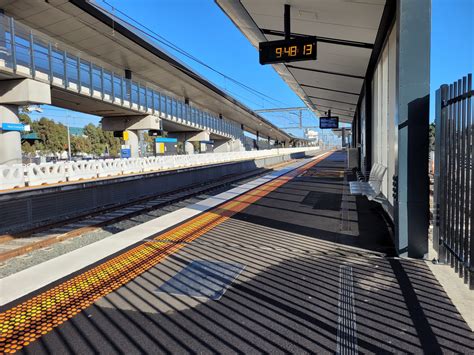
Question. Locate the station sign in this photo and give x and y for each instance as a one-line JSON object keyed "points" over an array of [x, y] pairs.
{"points": [[285, 51], [329, 122], [16, 127], [166, 140], [125, 151]]}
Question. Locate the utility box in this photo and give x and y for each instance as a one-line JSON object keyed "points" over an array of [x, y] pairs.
{"points": [[166, 146]]}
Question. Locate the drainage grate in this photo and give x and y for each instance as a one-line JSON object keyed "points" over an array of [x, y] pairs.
{"points": [[203, 279]]}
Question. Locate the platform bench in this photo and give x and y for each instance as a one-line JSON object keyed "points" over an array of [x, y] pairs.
{"points": [[371, 187]]}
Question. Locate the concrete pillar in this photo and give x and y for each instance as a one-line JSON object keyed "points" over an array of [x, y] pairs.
{"points": [[132, 125], [189, 147], [189, 137], [15, 93], [10, 141], [413, 79]]}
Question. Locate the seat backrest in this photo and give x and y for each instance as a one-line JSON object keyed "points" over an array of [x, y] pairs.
{"points": [[377, 173]]}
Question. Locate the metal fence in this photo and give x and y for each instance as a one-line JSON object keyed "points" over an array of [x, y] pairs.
{"points": [[453, 234]]}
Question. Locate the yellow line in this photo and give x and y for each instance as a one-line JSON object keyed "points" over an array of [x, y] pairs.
{"points": [[28, 321]]}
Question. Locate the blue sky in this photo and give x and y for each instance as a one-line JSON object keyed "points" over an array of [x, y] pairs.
{"points": [[203, 30]]}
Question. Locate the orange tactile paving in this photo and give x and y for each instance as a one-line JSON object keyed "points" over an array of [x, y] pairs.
{"points": [[28, 321]]}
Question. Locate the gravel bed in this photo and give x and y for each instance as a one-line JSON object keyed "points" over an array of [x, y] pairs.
{"points": [[22, 262]]}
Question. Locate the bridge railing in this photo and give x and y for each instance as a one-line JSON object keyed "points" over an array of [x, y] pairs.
{"points": [[32, 54], [14, 176]]}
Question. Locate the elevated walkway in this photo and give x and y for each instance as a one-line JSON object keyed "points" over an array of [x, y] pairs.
{"points": [[290, 263]]}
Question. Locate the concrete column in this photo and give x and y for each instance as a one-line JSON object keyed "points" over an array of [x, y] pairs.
{"points": [[132, 125], [189, 147], [413, 79], [133, 142], [15, 93], [10, 141]]}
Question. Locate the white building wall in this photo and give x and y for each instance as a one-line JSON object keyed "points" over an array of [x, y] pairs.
{"points": [[383, 113]]}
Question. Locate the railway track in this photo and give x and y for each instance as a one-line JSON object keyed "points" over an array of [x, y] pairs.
{"points": [[20, 245]]}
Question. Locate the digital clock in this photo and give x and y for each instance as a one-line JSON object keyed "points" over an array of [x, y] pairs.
{"points": [[284, 51]]}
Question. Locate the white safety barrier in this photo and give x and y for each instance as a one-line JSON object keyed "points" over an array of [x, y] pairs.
{"points": [[109, 167], [79, 170], [49, 173], [12, 176], [132, 165], [45, 173]]}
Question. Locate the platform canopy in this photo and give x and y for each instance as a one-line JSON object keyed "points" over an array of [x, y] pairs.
{"points": [[346, 31]]}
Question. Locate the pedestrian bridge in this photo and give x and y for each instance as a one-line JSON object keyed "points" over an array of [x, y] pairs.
{"points": [[102, 91]]}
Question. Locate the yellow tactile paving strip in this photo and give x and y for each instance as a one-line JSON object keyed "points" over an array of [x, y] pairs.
{"points": [[28, 321]]}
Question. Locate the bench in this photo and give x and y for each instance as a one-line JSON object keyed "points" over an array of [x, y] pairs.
{"points": [[371, 187]]}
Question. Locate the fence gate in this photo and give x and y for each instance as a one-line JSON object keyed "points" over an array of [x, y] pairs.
{"points": [[453, 233]]}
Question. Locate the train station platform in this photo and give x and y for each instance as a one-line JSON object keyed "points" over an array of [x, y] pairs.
{"points": [[288, 263]]}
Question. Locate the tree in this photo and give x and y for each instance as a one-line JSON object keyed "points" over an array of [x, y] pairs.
{"points": [[54, 135], [80, 145]]}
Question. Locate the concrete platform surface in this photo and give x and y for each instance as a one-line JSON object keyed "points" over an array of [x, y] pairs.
{"points": [[302, 266]]}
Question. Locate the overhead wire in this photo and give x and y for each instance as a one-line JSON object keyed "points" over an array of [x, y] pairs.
{"points": [[153, 35]]}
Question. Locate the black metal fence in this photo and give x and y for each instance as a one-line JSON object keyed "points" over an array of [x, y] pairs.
{"points": [[453, 233]]}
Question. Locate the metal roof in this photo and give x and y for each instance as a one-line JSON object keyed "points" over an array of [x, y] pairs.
{"points": [[346, 31]]}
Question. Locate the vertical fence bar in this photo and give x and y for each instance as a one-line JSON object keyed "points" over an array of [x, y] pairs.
{"points": [[79, 84], [159, 104], [13, 43], [121, 90], [102, 94], [32, 55], [462, 237], [65, 81], [443, 163], [153, 101], [91, 79], [112, 83], [50, 62], [450, 175], [138, 96], [471, 211], [457, 158]]}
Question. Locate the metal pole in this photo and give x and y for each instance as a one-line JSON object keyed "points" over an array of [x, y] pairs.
{"points": [[287, 22], [68, 139]]}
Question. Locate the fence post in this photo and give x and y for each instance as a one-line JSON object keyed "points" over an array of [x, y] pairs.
{"points": [[440, 174]]}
